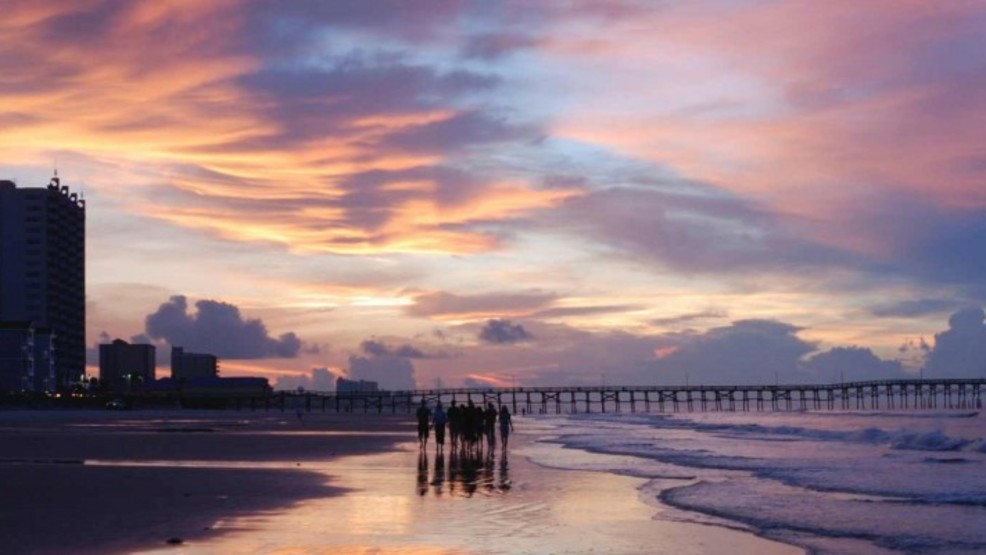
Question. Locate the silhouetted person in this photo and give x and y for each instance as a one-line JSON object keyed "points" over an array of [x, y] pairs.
{"points": [[424, 419], [489, 425], [468, 424], [439, 418], [506, 426], [454, 423]]}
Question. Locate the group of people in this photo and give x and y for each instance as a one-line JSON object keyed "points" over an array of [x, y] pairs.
{"points": [[467, 425]]}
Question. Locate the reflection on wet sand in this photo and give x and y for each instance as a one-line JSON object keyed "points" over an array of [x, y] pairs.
{"points": [[465, 473], [464, 503]]}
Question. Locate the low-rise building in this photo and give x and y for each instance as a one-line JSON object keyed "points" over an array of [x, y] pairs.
{"points": [[356, 386], [189, 366], [126, 367]]}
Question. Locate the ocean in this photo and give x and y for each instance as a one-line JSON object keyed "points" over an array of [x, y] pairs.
{"points": [[828, 482]]}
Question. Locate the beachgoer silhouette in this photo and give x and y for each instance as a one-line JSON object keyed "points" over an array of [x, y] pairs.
{"points": [[424, 419], [454, 423], [439, 418], [469, 424], [489, 421], [506, 426]]}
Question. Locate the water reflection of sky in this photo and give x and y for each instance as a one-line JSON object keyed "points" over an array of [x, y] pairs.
{"points": [[408, 502], [462, 473]]}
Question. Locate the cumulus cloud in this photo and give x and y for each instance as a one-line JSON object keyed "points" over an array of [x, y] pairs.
{"points": [[377, 348], [503, 332], [960, 351], [320, 379], [851, 364], [92, 352], [217, 328], [390, 372], [745, 352]]}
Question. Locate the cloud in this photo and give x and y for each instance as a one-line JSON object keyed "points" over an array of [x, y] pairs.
{"points": [[444, 304], [852, 364], [458, 131], [690, 317], [503, 332], [745, 352], [589, 310], [245, 135], [913, 308], [480, 382], [219, 329], [695, 228], [320, 379], [92, 352], [491, 46], [377, 348], [960, 351], [390, 372]]}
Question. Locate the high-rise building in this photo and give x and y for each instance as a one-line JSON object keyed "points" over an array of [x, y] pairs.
{"points": [[27, 362], [126, 367], [43, 269], [192, 365]]}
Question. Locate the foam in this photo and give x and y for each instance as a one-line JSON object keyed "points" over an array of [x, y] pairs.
{"points": [[809, 475]]}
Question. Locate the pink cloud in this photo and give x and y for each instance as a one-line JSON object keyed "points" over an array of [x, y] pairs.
{"points": [[807, 107]]}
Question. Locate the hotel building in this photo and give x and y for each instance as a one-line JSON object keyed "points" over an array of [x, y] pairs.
{"points": [[43, 270]]}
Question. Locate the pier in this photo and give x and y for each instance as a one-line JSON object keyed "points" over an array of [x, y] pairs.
{"points": [[849, 396]]}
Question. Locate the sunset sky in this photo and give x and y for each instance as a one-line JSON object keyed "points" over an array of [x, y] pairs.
{"points": [[499, 192]]}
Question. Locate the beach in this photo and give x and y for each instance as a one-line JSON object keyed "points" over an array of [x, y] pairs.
{"points": [[89, 481], [236, 483]]}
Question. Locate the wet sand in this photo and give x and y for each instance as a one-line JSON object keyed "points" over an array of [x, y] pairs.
{"points": [[107, 482], [240, 490]]}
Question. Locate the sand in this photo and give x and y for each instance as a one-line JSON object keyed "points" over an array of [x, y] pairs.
{"points": [[105, 482], [258, 483]]}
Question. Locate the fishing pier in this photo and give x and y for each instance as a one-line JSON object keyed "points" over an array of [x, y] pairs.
{"points": [[849, 396]]}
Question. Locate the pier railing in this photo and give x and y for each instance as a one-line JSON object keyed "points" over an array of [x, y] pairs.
{"points": [[864, 395]]}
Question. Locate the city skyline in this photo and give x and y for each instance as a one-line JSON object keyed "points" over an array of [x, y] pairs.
{"points": [[571, 192]]}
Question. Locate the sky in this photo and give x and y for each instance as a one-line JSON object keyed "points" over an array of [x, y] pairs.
{"points": [[497, 193]]}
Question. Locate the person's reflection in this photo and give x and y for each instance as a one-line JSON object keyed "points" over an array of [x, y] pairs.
{"points": [[504, 475], [439, 480], [469, 466], [422, 472], [453, 470], [488, 466]]}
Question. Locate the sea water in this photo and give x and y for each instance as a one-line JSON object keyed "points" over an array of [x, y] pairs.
{"points": [[830, 482]]}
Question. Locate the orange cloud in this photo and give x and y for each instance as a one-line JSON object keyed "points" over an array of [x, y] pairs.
{"points": [[173, 88]]}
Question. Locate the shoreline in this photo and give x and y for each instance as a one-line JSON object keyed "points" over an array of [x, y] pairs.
{"points": [[691, 532], [257, 482]]}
